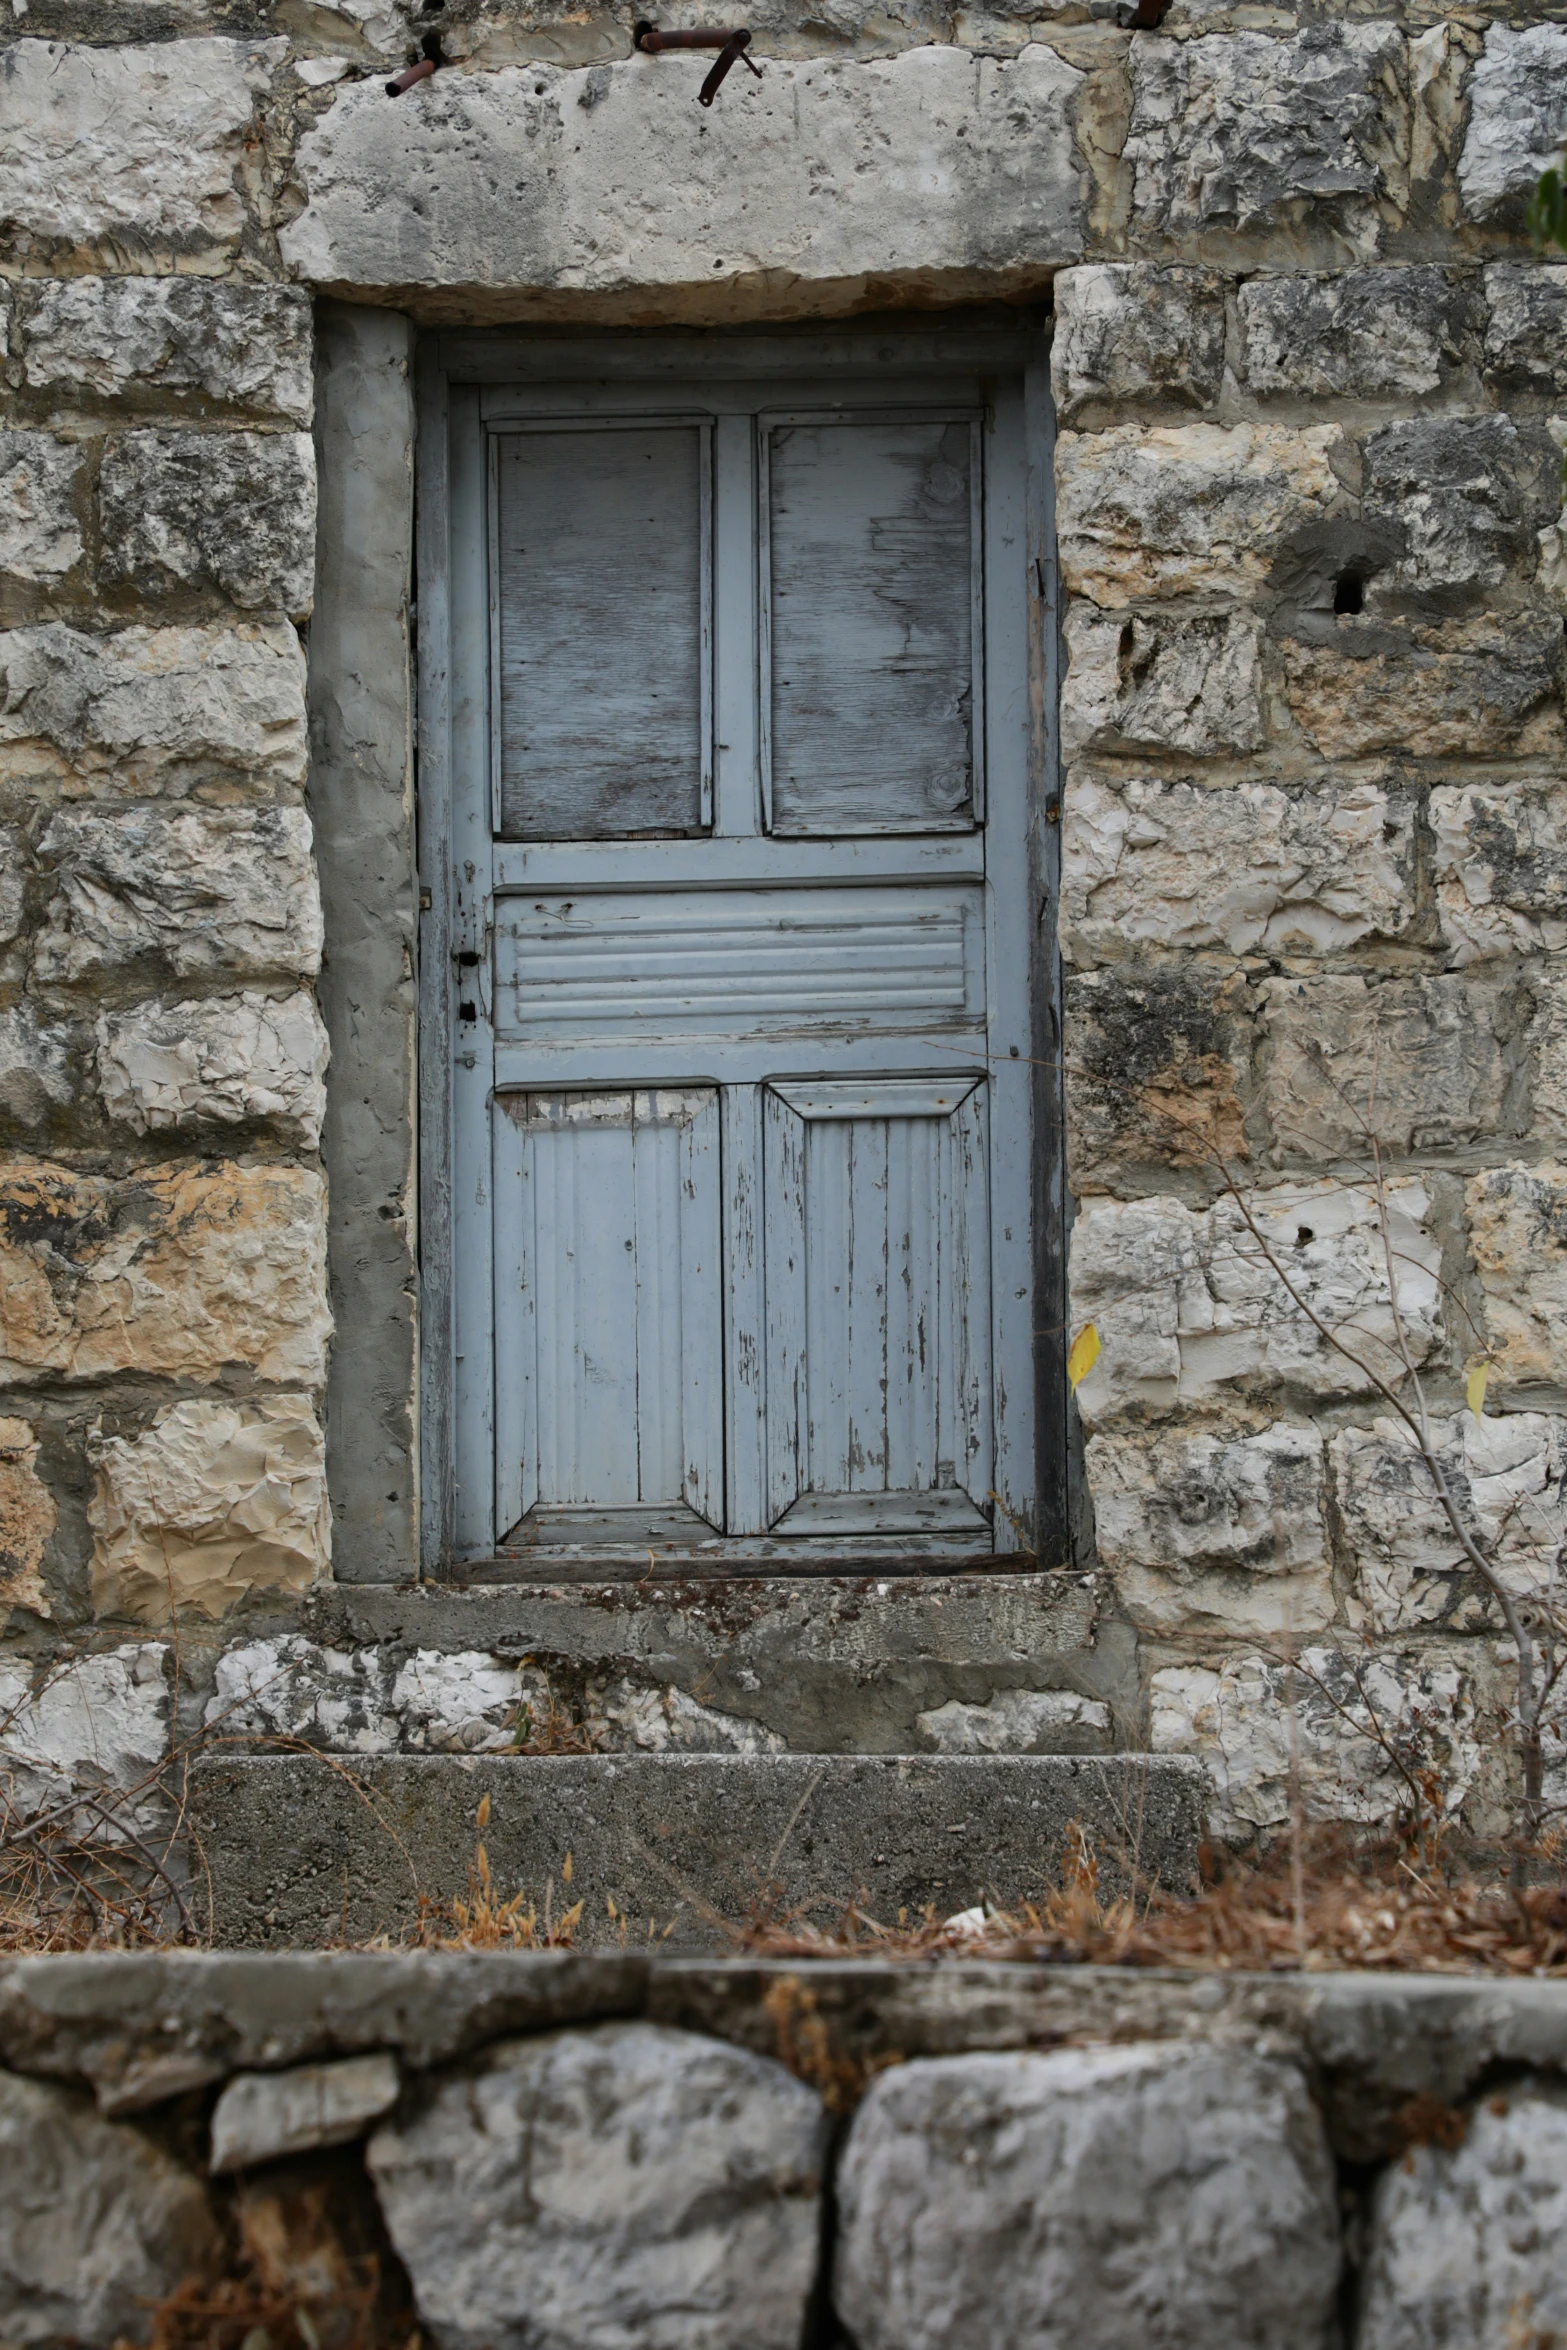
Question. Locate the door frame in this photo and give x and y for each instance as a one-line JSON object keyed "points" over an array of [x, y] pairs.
{"points": [[455, 913]]}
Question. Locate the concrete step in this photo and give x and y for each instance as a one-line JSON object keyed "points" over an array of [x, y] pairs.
{"points": [[841, 1664], [302, 1849]]}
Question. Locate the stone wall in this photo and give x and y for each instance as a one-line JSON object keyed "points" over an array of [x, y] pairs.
{"points": [[849, 2157], [1307, 376]]}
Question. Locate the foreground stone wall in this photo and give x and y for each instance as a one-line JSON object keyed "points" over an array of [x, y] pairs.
{"points": [[740, 2154], [1307, 374]]}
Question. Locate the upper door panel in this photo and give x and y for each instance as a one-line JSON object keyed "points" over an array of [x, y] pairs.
{"points": [[602, 624], [871, 582]]}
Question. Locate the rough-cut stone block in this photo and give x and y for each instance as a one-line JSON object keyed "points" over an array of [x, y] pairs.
{"points": [[1518, 1238], [180, 1270], [13, 884], [627, 2184], [264, 2117], [234, 511], [1215, 1534], [1517, 116], [140, 339], [1505, 1472], [27, 1519], [1464, 2239], [1019, 1721], [213, 1502], [1167, 682], [1422, 1064], [1157, 1067], [152, 709], [139, 150], [200, 890], [1119, 2196], [1462, 496], [1501, 867], [1188, 1306], [227, 1063], [1370, 334], [1149, 863], [1129, 330], [96, 2221], [1476, 689], [1333, 102], [688, 1840], [1526, 330], [1331, 1716], [936, 168], [36, 1074], [100, 1720], [41, 480], [1170, 510]]}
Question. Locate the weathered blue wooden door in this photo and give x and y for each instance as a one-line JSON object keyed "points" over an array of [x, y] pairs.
{"points": [[739, 755]]}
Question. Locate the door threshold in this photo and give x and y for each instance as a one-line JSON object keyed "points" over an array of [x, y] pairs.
{"points": [[620, 1563]]}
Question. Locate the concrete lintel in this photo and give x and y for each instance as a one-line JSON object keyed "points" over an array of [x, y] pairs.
{"points": [[608, 194]]}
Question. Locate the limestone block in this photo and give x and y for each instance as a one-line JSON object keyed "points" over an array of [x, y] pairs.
{"points": [[629, 2184], [1169, 510], [1209, 1533], [235, 511], [141, 339], [96, 2221], [13, 884], [264, 2117], [1119, 2196], [35, 1066], [464, 1702], [1367, 334], [1331, 1715], [1480, 688], [289, 1686], [213, 1502], [152, 709], [139, 151], [1464, 2240], [27, 1519], [1506, 1474], [175, 1269], [1517, 116], [1189, 1309], [1151, 863], [225, 1063], [1465, 495], [936, 167], [1131, 331], [667, 1720], [1501, 867], [1158, 1072], [1019, 1721], [1334, 104], [41, 484], [1526, 329], [100, 1719], [1518, 1239], [1423, 1064], [201, 890], [1166, 682]]}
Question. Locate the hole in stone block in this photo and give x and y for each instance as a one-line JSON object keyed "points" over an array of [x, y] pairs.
{"points": [[1349, 592], [1304, 1236]]}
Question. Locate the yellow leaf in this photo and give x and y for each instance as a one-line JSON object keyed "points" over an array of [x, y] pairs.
{"points": [[1474, 1389], [1084, 1355], [482, 1817], [565, 1870]]}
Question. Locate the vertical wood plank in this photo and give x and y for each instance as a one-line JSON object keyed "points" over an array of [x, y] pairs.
{"points": [[864, 1147], [746, 1408], [788, 1401], [826, 1448], [697, 1249], [516, 1365], [437, 1344], [737, 810], [657, 1173]]}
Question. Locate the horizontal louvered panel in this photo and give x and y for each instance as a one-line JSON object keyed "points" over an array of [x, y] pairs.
{"points": [[739, 962]]}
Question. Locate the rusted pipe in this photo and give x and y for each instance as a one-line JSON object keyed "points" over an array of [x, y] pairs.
{"points": [[410, 74], [730, 44]]}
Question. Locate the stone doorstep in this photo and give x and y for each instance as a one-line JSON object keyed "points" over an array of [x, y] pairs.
{"points": [[686, 1846], [831, 1664]]}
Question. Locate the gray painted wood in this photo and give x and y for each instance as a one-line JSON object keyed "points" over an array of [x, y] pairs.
{"points": [[870, 579], [859, 990], [602, 630]]}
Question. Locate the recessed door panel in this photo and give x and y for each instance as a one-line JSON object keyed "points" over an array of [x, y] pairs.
{"points": [[878, 1305], [602, 627], [609, 1306], [871, 595]]}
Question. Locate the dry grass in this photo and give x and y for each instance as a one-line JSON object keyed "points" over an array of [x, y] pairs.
{"points": [[292, 2280]]}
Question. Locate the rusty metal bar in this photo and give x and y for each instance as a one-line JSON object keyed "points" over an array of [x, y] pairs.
{"points": [[731, 43], [411, 74]]}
